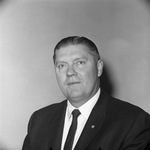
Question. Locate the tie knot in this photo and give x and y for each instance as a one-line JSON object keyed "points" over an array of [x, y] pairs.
{"points": [[76, 113]]}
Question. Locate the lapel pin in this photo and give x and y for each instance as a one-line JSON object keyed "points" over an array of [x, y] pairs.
{"points": [[93, 126]]}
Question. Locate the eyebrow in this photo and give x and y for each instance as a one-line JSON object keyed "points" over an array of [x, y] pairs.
{"points": [[81, 58], [76, 59], [60, 62]]}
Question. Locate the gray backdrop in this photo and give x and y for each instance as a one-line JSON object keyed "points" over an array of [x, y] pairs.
{"points": [[29, 30]]}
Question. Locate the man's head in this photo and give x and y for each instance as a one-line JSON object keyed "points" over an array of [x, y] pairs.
{"points": [[78, 68]]}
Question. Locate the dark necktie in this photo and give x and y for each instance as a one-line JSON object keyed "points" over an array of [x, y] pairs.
{"points": [[72, 130]]}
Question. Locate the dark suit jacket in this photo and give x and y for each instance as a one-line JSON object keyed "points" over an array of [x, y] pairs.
{"points": [[118, 125]]}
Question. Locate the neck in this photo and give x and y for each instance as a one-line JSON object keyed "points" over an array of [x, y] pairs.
{"points": [[78, 102]]}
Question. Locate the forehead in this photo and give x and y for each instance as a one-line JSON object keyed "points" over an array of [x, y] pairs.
{"points": [[73, 50]]}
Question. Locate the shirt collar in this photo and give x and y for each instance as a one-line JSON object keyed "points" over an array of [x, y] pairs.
{"points": [[86, 108]]}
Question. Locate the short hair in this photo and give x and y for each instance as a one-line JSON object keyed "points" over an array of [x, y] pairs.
{"points": [[76, 40]]}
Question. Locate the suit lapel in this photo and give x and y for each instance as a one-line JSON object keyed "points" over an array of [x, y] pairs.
{"points": [[56, 128], [94, 123]]}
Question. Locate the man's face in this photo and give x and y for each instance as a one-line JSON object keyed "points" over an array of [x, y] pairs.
{"points": [[77, 73]]}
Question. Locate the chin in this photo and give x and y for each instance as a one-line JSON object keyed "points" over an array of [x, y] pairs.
{"points": [[75, 96]]}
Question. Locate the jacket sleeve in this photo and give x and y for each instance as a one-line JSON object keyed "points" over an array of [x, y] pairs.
{"points": [[138, 136], [26, 143]]}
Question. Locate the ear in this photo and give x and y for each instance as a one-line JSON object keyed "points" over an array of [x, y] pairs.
{"points": [[100, 67]]}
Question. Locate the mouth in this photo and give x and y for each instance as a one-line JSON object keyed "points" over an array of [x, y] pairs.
{"points": [[73, 83]]}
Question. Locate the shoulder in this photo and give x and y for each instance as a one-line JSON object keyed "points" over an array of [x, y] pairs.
{"points": [[126, 121], [120, 108], [50, 110]]}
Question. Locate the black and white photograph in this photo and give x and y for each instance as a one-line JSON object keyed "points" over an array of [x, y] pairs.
{"points": [[74, 74]]}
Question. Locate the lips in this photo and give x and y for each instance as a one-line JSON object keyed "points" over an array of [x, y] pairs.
{"points": [[73, 83]]}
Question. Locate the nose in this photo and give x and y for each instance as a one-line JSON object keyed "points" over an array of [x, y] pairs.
{"points": [[70, 72]]}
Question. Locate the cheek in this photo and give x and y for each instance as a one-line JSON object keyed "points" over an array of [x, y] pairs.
{"points": [[90, 76], [85, 77], [60, 78]]}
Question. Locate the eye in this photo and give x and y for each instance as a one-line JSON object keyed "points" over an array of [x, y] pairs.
{"points": [[81, 63], [61, 66]]}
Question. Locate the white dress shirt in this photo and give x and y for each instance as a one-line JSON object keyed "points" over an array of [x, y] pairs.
{"points": [[85, 110]]}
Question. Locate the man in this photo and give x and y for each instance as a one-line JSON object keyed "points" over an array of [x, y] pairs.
{"points": [[102, 122]]}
